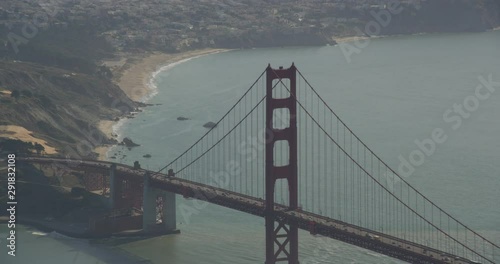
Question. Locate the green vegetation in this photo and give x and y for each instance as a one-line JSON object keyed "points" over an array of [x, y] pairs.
{"points": [[75, 49], [19, 147], [81, 33], [26, 93], [35, 184], [15, 94], [57, 202]]}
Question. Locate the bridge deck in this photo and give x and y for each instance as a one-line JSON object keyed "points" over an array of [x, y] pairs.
{"points": [[352, 234]]}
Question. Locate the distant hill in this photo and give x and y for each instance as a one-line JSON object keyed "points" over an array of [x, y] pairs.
{"points": [[447, 16], [169, 25]]}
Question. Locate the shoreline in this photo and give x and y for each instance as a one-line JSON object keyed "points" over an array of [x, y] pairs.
{"points": [[74, 230], [78, 230], [136, 76], [71, 233], [136, 73], [348, 39]]}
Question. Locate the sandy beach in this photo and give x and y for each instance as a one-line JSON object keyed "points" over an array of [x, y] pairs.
{"points": [[134, 80], [134, 73]]}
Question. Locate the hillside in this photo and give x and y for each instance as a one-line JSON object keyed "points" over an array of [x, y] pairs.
{"points": [[59, 106], [447, 16], [171, 26]]}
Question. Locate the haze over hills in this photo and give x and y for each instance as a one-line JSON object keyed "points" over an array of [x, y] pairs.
{"points": [[54, 48]]}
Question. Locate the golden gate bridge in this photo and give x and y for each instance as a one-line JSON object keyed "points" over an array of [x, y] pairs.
{"points": [[280, 152]]}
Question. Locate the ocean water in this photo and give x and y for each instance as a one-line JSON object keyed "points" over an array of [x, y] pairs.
{"points": [[395, 91], [33, 246]]}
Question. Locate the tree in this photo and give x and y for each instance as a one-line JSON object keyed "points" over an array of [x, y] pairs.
{"points": [[104, 72], [15, 94], [16, 146], [45, 101], [137, 165], [39, 148]]}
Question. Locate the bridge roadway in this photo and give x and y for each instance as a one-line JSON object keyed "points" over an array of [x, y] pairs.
{"points": [[352, 234]]}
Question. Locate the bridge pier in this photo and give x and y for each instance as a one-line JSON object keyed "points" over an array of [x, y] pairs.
{"points": [[115, 188], [159, 212]]}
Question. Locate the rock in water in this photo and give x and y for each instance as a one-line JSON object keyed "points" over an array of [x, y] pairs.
{"points": [[129, 143], [147, 156], [181, 118], [210, 125]]}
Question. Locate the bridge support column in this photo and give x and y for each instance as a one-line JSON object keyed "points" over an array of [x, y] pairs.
{"points": [[281, 241], [159, 212], [115, 188]]}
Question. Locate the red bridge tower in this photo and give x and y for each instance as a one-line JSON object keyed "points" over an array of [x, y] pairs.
{"points": [[281, 239]]}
